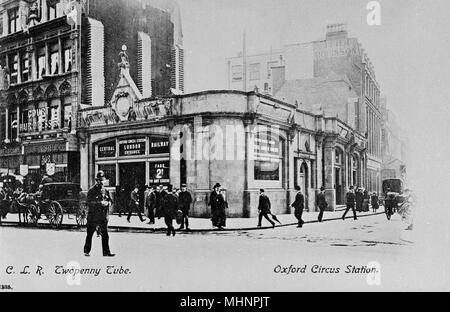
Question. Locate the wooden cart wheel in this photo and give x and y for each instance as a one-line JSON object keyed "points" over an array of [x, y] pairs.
{"points": [[81, 215], [32, 215], [55, 214]]}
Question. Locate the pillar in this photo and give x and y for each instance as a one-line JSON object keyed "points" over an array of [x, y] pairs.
{"points": [[7, 125], [329, 163]]}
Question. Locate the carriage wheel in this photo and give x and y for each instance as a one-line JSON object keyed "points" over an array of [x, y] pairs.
{"points": [[55, 214], [32, 215], [81, 215]]}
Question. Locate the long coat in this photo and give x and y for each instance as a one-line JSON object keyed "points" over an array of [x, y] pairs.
{"points": [[218, 205], [185, 200], [359, 200], [264, 204], [299, 203], [97, 213], [170, 206], [350, 199], [321, 201]]}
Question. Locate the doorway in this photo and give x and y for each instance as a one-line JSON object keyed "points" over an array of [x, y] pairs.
{"points": [[304, 183], [338, 185], [131, 174]]}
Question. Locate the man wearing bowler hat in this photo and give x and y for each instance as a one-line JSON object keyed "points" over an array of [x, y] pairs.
{"points": [[169, 209], [321, 203], [185, 200], [299, 205], [98, 201], [350, 203], [264, 207]]}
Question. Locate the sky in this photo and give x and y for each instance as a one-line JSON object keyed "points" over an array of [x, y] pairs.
{"points": [[409, 51]]}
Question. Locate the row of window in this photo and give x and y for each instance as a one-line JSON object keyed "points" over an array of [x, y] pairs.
{"points": [[24, 67], [41, 117], [14, 17], [371, 91], [374, 131]]}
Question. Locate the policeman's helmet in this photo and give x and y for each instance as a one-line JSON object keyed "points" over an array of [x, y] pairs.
{"points": [[100, 175]]}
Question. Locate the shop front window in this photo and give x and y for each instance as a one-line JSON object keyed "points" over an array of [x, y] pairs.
{"points": [[267, 170]]}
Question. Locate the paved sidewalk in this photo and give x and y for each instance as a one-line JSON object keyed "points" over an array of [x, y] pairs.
{"points": [[204, 224]]}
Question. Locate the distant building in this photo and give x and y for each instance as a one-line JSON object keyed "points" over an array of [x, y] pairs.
{"points": [[57, 56], [314, 69]]}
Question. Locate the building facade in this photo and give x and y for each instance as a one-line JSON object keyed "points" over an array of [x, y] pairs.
{"points": [[57, 57], [336, 55], [243, 140]]}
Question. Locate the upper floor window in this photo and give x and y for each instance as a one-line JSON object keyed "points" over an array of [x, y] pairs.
{"points": [[25, 67], [67, 56], [53, 59], [255, 71], [236, 73], [269, 68], [51, 13], [13, 68], [13, 20], [40, 63]]}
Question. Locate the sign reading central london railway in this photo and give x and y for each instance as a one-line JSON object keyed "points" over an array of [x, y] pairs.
{"points": [[132, 147]]}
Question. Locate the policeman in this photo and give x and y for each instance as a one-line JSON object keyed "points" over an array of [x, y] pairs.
{"points": [[350, 203], [299, 205], [98, 201]]}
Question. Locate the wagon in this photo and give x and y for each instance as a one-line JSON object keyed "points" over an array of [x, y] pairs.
{"points": [[57, 200]]}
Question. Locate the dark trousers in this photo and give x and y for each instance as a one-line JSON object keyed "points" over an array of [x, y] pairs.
{"points": [[321, 214], [265, 215], [298, 214], [352, 207], [185, 219], [151, 214], [170, 228], [91, 227], [130, 211]]}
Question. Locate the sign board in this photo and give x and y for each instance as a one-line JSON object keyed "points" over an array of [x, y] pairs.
{"points": [[23, 170], [50, 168], [107, 149], [159, 145], [266, 147], [132, 147], [159, 172]]}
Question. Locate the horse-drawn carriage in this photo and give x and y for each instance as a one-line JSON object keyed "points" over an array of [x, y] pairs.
{"points": [[53, 201]]}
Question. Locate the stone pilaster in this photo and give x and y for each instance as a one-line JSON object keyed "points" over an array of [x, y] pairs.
{"points": [[329, 178]]}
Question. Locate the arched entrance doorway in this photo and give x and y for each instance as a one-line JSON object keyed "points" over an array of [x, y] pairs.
{"points": [[303, 181], [338, 176]]}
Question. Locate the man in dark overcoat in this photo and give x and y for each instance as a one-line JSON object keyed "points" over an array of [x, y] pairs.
{"points": [[264, 208], [321, 203], [299, 205], [160, 194], [185, 201], [359, 199], [350, 199], [169, 209], [98, 201]]}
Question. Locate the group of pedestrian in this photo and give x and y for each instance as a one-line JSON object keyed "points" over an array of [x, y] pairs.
{"points": [[358, 201]]}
